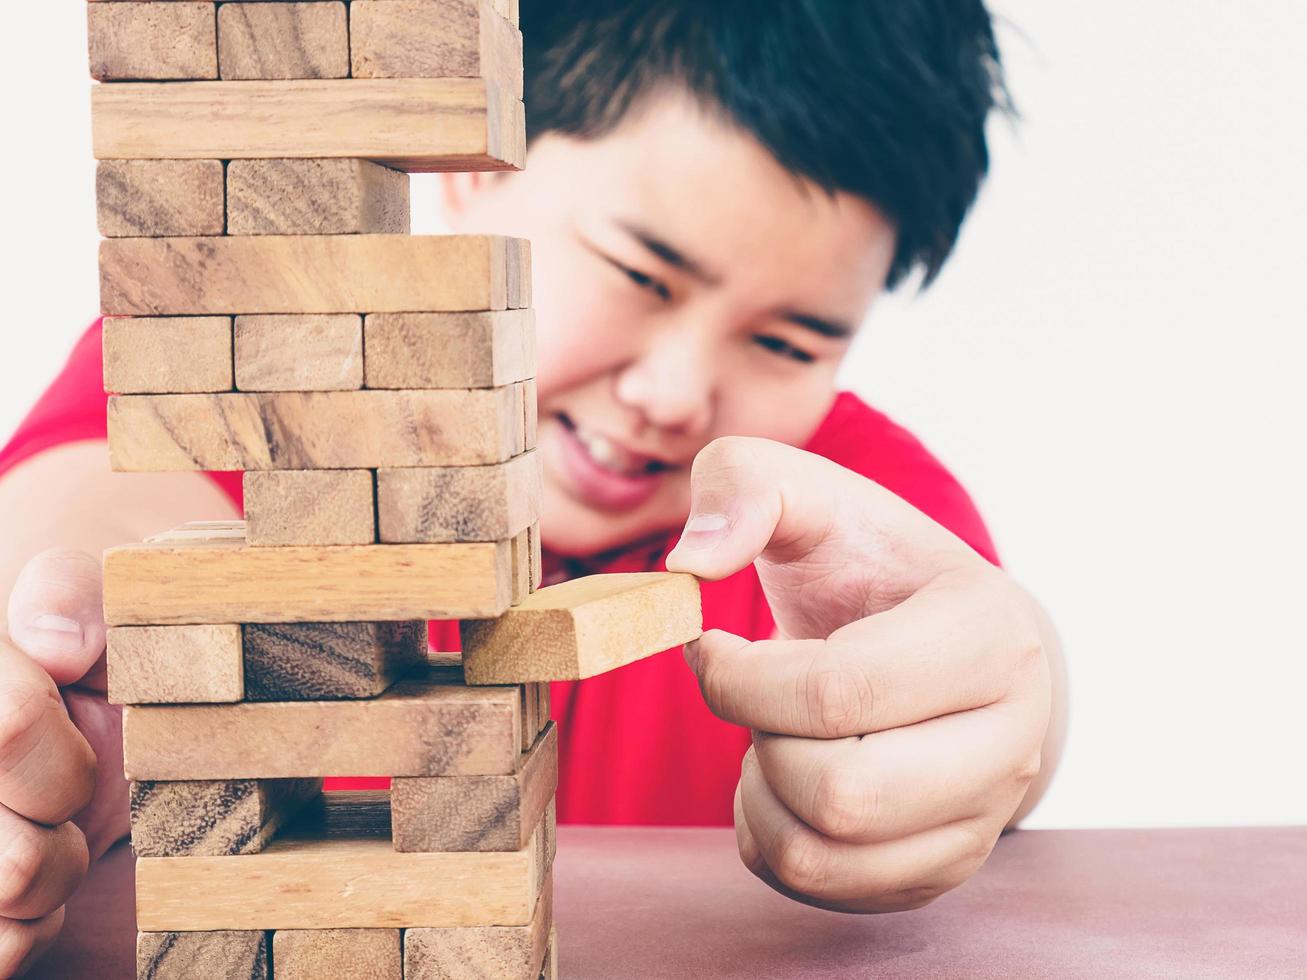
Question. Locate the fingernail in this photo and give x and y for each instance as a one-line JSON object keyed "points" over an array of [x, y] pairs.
{"points": [[692, 655], [52, 634], [704, 530]]}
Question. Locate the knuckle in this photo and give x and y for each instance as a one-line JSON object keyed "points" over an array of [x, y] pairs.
{"points": [[800, 863], [1027, 768], [24, 709], [845, 803], [20, 868], [838, 698], [17, 941]]}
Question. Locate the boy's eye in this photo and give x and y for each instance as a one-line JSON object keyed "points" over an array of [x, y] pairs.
{"points": [[783, 348], [655, 286]]}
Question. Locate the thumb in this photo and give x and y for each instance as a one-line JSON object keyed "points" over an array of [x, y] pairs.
{"points": [[56, 614]]}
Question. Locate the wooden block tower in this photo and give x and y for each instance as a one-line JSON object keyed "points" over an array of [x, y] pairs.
{"points": [[269, 312]]}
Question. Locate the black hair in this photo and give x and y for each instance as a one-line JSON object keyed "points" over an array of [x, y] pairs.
{"points": [[884, 99]]}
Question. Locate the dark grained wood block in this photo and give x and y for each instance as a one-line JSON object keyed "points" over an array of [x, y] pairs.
{"points": [[318, 661], [282, 40], [152, 41], [159, 198], [170, 819], [316, 197], [213, 955], [459, 503]]}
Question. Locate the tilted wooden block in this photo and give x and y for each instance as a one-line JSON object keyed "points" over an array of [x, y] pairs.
{"points": [[315, 661], [459, 503], [158, 198], [223, 581], [476, 813], [282, 40], [448, 350], [309, 507], [315, 954], [152, 40], [171, 819], [583, 627], [413, 729], [413, 124], [224, 955], [315, 197], [232, 530], [422, 39], [313, 430], [174, 664], [299, 352], [501, 952], [302, 274], [167, 354]]}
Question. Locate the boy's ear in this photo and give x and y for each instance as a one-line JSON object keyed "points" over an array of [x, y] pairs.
{"points": [[457, 192]]}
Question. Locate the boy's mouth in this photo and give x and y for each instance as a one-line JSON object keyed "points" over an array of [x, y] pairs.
{"points": [[604, 473]]}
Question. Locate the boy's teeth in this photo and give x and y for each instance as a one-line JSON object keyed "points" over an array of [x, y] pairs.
{"points": [[608, 454]]}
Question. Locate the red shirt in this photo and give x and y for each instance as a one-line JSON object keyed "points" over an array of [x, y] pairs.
{"points": [[637, 745]]}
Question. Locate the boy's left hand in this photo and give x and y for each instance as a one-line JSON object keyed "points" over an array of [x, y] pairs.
{"points": [[899, 716]]}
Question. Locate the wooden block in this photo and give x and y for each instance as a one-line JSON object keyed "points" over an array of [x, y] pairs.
{"points": [[477, 813], [298, 883], [200, 530], [501, 952], [532, 404], [519, 274], [519, 400], [315, 197], [174, 664], [459, 503], [318, 661], [157, 198], [167, 354], [421, 39], [536, 557], [282, 40], [413, 729], [544, 711], [222, 581], [520, 562], [299, 352], [448, 350], [302, 274], [170, 819], [357, 813], [152, 41], [313, 430], [583, 627], [413, 124], [550, 969], [309, 507], [312, 954], [224, 955]]}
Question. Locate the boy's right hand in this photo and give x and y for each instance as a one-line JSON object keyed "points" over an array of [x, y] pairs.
{"points": [[63, 798]]}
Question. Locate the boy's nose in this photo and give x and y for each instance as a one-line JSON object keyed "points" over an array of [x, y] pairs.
{"points": [[671, 383]]}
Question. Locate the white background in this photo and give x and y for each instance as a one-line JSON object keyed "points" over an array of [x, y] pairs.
{"points": [[1113, 363]]}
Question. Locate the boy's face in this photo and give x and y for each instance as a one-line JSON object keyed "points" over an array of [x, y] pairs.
{"points": [[686, 287]]}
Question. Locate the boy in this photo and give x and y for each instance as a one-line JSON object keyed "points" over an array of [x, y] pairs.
{"points": [[715, 194]]}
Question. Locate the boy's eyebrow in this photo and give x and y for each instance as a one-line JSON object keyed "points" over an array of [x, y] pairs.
{"points": [[670, 254], [817, 324]]}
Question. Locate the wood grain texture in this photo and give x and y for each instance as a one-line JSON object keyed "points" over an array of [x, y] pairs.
{"points": [[339, 884], [520, 563], [282, 40], [413, 124], [356, 813], [319, 661], [214, 955], [583, 627], [171, 819], [316, 197], [299, 352], [421, 39], [158, 198], [174, 664], [459, 503], [519, 274], [531, 403], [482, 953], [550, 969], [536, 556], [160, 355], [313, 430], [448, 350], [309, 507], [318, 954], [301, 274], [222, 581], [413, 729], [476, 813], [152, 41]]}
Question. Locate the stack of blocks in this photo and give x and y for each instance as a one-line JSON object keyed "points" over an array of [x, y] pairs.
{"points": [[268, 311]]}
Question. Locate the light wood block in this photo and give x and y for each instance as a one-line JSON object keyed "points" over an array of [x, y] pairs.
{"points": [[339, 884], [550, 969], [448, 350], [199, 530], [299, 352], [519, 274], [422, 39], [536, 556], [477, 813], [476, 953], [318, 661], [171, 819], [315, 954], [301, 274], [282, 40], [222, 581], [316, 197], [521, 563], [157, 198], [174, 664], [583, 627], [152, 41], [163, 355], [223, 955], [309, 507], [413, 729], [459, 503], [413, 124], [313, 430], [532, 404]]}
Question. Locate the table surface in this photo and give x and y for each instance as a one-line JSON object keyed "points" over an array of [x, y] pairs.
{"points": [[671, 903]]}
